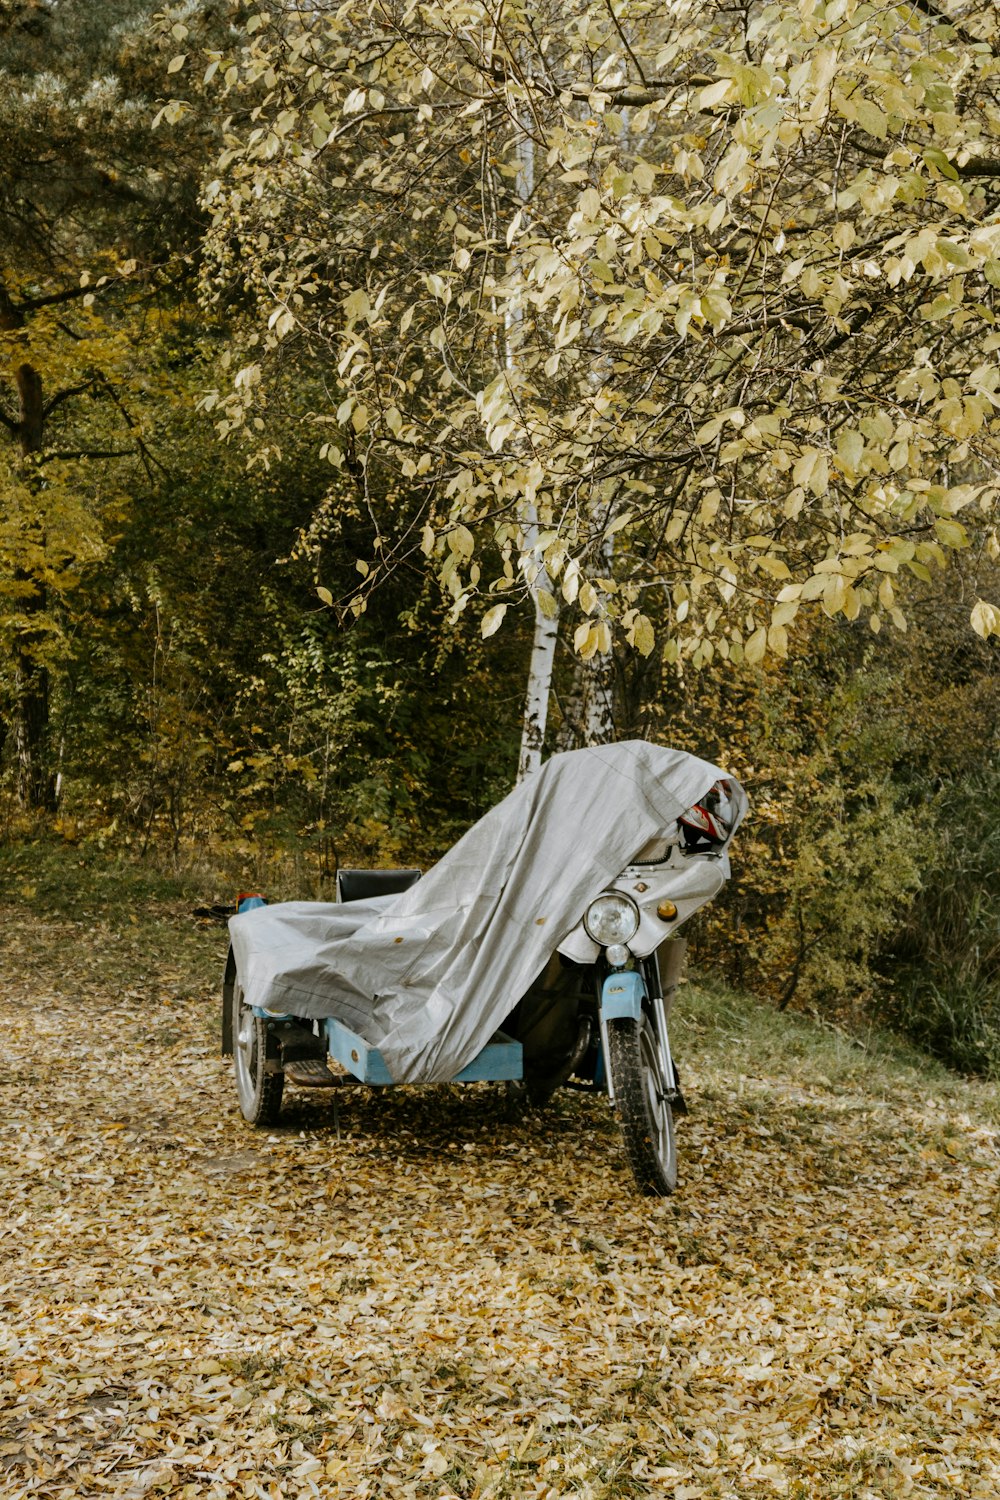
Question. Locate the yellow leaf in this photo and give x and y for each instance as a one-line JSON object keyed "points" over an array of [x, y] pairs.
{"points": [[461, 541], [834, 594], [811, 470], [985, 619], [492, 620], [644, 637], [783, 614], [850, 448], [714, 93], [585, 639], [548, 604], [951, 533], [753, 651], [709, 432]]}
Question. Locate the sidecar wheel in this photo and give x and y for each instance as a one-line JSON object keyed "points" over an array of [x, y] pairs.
{"points": [[259, 1091], [639, 1071]]}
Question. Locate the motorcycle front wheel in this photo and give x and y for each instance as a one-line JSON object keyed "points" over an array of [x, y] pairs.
{"points": [[639, 1070]]}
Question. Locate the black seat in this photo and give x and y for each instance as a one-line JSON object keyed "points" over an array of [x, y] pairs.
{"points": [[357, 885]]}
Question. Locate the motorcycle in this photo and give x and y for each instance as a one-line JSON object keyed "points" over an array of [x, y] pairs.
{"points": [[595, 1015]]}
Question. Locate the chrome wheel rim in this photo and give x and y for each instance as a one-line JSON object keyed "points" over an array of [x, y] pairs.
{"points": [[247, 1055], [655, 1085]]}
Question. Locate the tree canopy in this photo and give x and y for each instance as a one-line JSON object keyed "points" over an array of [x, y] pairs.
{"points": [[687, 311]]}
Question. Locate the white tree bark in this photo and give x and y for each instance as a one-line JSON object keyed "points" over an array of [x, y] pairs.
{"points": [[598, 700], [536, 698], [546, 625], [599, 680]]}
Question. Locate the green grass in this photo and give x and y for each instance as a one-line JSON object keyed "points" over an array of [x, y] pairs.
{"points": [[743, 1035], [111, 916], [79, 880]]}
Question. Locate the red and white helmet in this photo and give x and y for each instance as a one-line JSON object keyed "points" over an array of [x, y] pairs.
{"points": [[710, 823]]}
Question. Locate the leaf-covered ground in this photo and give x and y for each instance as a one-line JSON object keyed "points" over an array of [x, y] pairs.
{"points": [[411, 1295]]}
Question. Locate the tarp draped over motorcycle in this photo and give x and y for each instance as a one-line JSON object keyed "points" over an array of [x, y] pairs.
{"points": [[429, 975]]}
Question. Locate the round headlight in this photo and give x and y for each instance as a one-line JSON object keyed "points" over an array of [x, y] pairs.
{"points": [[612, 918]]}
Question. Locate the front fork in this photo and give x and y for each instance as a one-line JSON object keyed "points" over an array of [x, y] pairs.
{"points": [[624, 993]]}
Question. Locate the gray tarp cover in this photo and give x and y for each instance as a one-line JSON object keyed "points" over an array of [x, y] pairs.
{"points": [[429, 975]]}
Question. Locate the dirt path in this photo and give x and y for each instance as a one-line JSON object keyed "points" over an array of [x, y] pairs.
{"points": [[440, 1303]]}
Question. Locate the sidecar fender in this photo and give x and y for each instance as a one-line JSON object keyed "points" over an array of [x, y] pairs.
{"points": [[622, 995], [228, 985]]}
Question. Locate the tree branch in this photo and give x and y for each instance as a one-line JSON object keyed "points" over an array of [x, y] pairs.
{"points": [[629, 95], [86, 453], [70, 294], [61, 396], [145, 454], [625, 43], [978, 166]]}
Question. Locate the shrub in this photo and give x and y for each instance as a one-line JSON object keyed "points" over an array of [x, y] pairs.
{"points": [[946, 958]]}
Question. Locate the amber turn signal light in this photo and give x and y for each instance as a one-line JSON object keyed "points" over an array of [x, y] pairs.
{"points": [[666, 911]]}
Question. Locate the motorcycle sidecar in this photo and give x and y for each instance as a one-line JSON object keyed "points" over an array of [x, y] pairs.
{"points": [[269, 1049]]}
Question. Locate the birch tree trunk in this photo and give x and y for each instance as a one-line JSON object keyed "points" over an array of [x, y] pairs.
{"points": [[599, 699], [546, 621], [599, 678], [588, 709], [536, 698]]}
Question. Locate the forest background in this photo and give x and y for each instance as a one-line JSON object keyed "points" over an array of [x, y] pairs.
{"points": [[393, 393]]}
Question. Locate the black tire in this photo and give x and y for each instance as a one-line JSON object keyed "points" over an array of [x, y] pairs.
{"points": [[258, 1091], [639, 1074]]}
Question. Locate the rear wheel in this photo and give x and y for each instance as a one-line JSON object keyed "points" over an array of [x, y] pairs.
{"points": [[259, 1091], [639, 1070]]}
